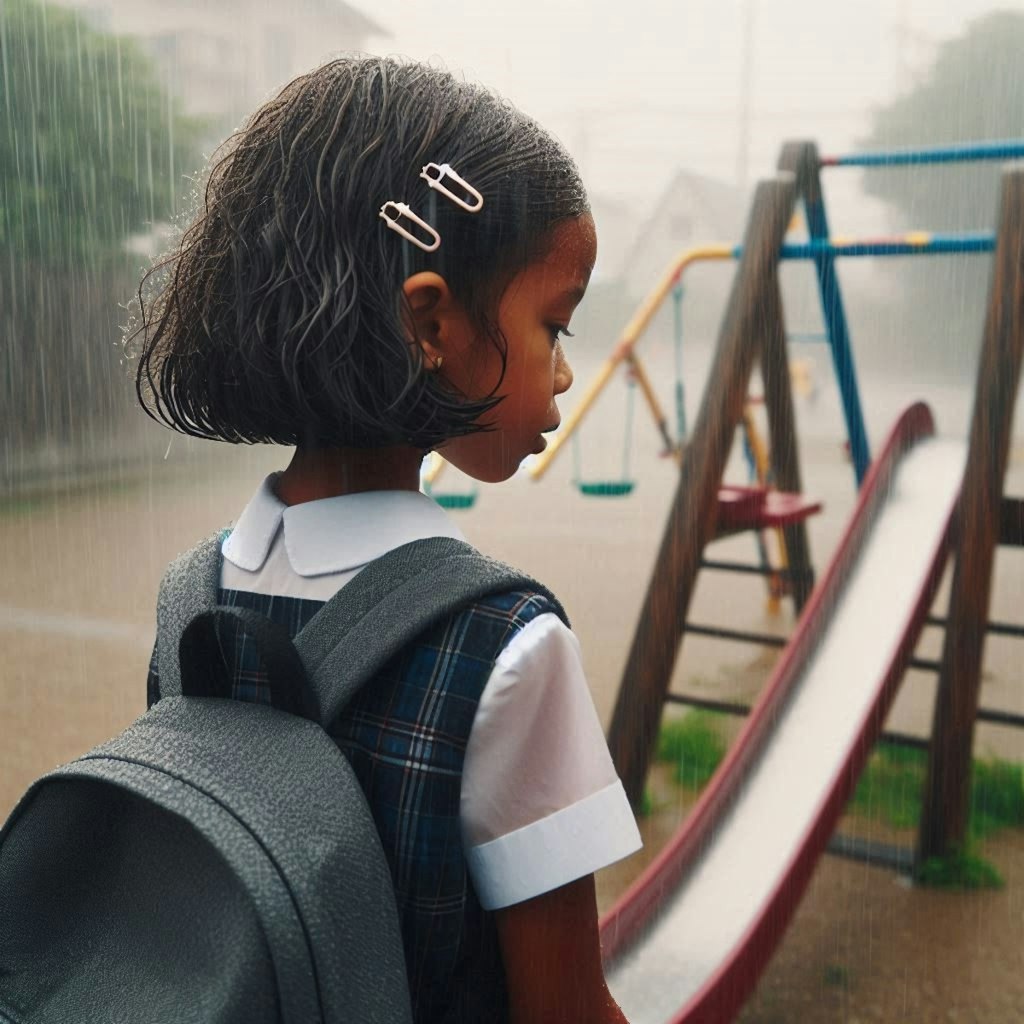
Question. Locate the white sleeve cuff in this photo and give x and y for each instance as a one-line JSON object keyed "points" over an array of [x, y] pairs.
{"points": [[553, 851]]}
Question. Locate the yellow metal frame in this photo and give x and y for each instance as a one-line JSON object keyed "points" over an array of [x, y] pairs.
{"points": [[623, 352]]}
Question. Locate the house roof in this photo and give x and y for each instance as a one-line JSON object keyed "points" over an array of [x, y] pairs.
{"points": [[721, 206], [721, 203]]}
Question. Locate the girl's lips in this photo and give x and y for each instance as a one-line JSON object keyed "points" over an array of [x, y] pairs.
{"points": [[542, 443]]}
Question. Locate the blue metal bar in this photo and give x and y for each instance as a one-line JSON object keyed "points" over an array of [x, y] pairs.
{"points": [[935, 245], [930, 245], [838, 331], [1006, 149], [824, 253]]}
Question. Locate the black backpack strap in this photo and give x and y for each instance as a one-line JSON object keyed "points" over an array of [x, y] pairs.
{"points": [[391, 601], [205, 672], [387, 605]]}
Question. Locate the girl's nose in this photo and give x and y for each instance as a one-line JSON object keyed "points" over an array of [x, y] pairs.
{"points": [[563, 372]]}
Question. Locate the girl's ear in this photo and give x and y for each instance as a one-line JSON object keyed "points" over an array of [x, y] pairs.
{"points": [[439, 323]]}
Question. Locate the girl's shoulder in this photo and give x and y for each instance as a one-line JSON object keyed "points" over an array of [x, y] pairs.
{"points": [[519, 606], [487, 626]]}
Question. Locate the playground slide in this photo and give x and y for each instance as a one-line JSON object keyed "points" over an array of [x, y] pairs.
{"points": [[689, 939]]}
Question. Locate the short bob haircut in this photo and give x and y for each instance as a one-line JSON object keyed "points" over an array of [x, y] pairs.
{"points": [[279, 316]]}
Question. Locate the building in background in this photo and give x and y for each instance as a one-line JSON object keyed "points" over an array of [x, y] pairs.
{"points": [[692, 210], [224, 58]]}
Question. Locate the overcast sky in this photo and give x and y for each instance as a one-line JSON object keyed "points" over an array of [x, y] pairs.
{"points": [[638, 87]]}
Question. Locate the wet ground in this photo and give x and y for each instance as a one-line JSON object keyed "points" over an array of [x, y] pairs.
{"points": [[78, 582], [865, 945]]}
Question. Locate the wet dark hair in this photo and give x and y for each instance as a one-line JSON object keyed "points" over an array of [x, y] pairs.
{"points": [[279, 316]]}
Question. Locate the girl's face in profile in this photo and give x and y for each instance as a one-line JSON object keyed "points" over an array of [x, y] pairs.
{"points": [[533, 314]]}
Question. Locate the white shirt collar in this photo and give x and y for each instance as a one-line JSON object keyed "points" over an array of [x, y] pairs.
{"points": [[333, 534]]}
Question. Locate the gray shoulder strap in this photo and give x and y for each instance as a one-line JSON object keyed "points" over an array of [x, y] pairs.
{"points": [[189, 586], [393, 600]]}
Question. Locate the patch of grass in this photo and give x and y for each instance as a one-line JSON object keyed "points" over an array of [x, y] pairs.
{"points": [[889, 790], [61, 492], [20, 506], [836, 976], [891, 786], [963, 869], [997, 796], [693, 745]]}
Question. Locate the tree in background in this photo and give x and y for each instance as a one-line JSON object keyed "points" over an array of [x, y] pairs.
{"points": [[92, 150], [974, 91]]}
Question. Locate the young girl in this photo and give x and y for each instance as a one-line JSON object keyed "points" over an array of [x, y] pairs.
{"points": [[295, 312]]}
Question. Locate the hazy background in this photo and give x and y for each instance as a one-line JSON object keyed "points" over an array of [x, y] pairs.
{"points": [[109, 111], [673, 111]]}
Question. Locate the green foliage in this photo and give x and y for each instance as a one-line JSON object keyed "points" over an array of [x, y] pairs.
{"points": [[92, 150], [836, 976], [963, 869], [889, 789], [891, 786], [997, 796], [974, 91], [693, 745], [91, 147]]}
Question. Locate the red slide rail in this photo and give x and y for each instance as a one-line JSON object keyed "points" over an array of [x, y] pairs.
{"points": [[623, 926]]}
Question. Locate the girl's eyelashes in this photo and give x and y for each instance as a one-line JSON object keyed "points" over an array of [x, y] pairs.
{"points": [[558, 331]]}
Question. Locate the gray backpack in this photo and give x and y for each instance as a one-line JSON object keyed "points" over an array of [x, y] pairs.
{"points": [[217, 861]]}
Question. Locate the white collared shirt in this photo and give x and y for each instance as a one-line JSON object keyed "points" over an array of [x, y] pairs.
{"points": [[541, 804]]}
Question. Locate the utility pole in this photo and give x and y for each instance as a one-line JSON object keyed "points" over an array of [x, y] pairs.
{"points": [[746, 66]]}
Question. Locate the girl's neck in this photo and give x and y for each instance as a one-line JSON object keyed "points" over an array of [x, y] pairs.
{"points": [[315, 473]]}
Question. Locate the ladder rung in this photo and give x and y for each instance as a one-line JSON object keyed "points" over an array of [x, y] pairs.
{"points": [[764, 639], [867, 851], [1000, 717], [1011, 522], [1005, 629], [751, 567], [705, 704], [897, 739], [996, 628], [925, 664]]}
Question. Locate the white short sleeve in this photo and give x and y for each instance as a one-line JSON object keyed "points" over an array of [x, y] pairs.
{"points": [[541, 803]]}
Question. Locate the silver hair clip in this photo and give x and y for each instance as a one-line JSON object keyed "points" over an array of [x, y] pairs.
{"points": [[434, 174], [400, 210]]}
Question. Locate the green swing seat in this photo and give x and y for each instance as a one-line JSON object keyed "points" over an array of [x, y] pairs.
{"points": [[455, 501], [606, 488], [624, 485]]}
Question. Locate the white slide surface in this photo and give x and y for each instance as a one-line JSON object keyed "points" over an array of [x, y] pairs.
{"points": [[831, 706]]}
